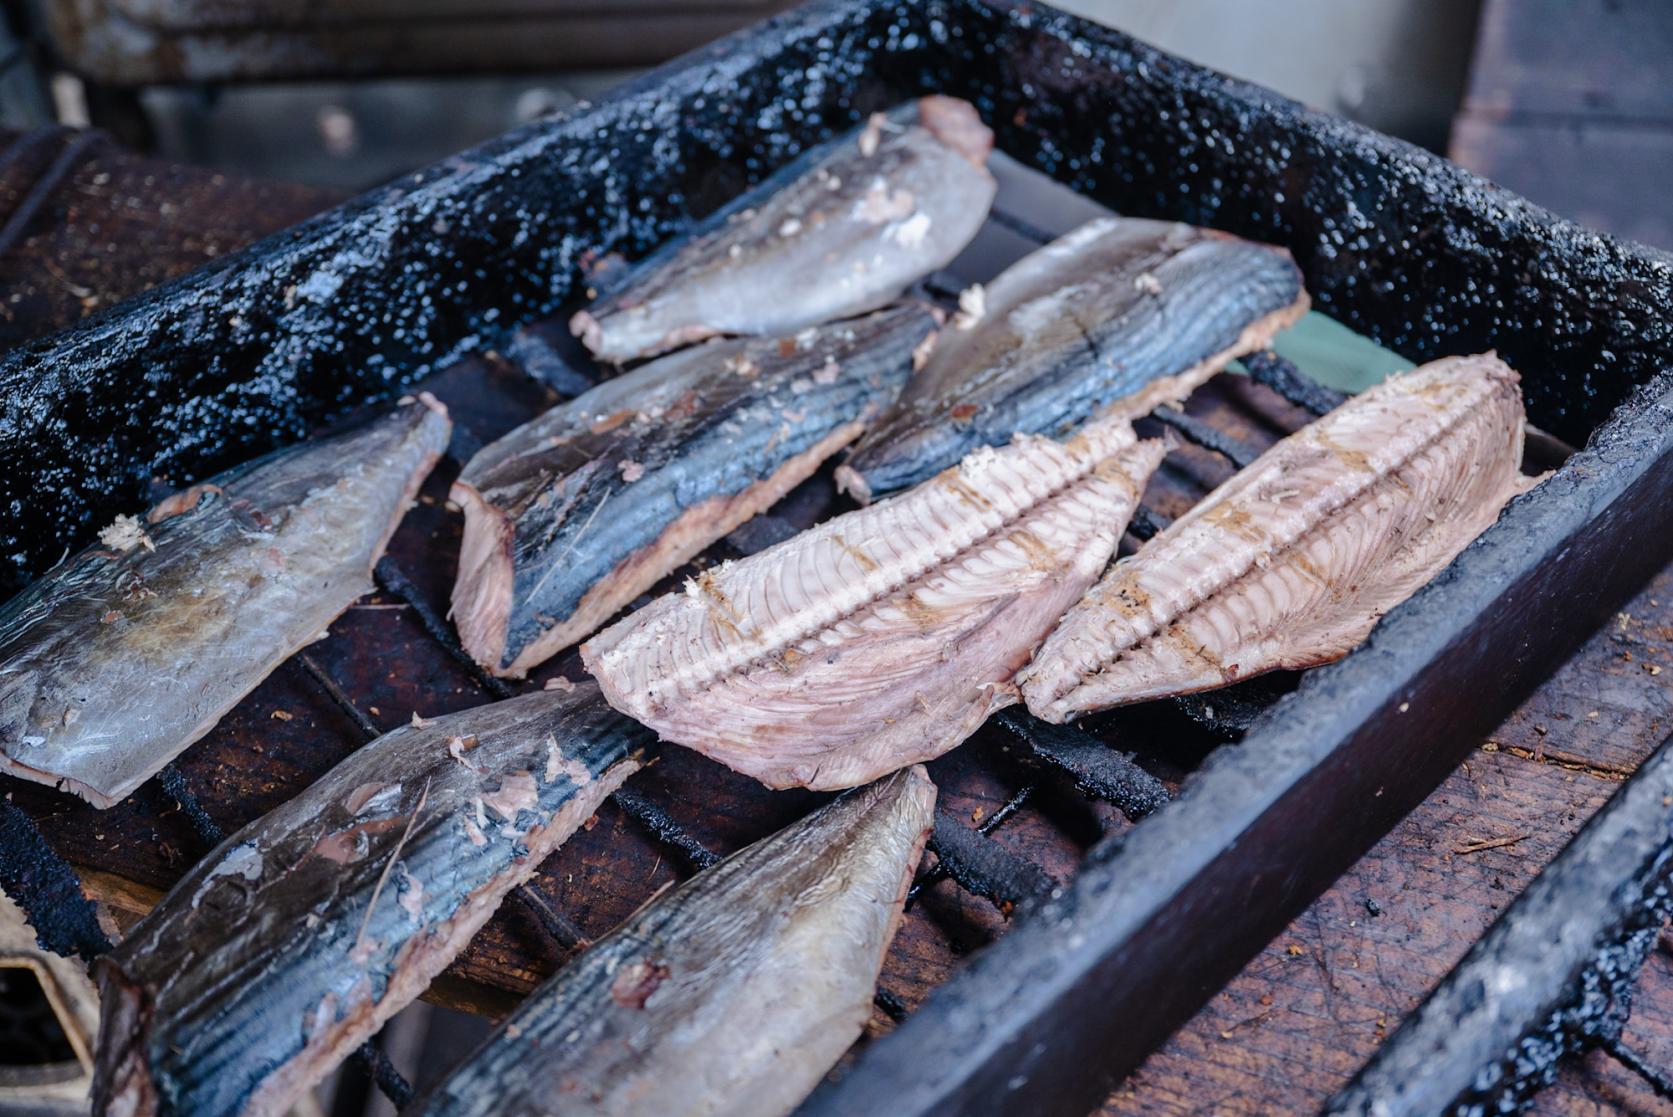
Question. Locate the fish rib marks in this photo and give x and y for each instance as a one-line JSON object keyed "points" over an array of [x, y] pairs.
{"points": [[749, 610], [884, 636], [1291, 562]]}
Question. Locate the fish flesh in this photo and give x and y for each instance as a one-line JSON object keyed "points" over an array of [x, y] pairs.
{"points": [[573, 515], [735, 994], [842, 230], [293, 941], [1121, 312], [885, 636], [1291, 562], [120, 657]]}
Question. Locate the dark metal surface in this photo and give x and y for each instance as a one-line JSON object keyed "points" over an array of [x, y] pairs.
{"points": [[1552, 977]]}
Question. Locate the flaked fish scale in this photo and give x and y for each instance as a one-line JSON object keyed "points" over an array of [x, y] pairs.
{"points": [[295, 939], [1292, 561], [842, 230], [1119, 313], [734, 994], [885, 636], [123, 655], [576, 513]]}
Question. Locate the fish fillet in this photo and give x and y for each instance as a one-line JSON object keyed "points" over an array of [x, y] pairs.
{"points": [[573, 515], [1291, 562], [844, 229], [885, 636], [293, 942], [1120, 311], [734, 994], [122, 656]]}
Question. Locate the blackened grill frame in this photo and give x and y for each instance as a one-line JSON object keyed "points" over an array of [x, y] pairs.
{"points": [[1402, 246]]}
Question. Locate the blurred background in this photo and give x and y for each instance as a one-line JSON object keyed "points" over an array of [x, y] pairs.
{"points": [[140, 138]]}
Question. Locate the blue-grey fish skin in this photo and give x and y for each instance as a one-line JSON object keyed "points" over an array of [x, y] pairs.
{"points": [[734, 994], [292, 942], [123, 655], [1120, 313], [844, 229], [578, 512]]}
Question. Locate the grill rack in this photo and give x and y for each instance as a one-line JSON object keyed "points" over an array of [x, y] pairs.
{"points": [[1118, 121], [979, 866]]}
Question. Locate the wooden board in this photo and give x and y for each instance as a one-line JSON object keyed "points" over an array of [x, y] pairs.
{"points": [[113, 224], [1301, 1018]]}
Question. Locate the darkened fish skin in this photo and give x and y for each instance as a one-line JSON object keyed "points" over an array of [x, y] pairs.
{"points": [[885, 636], [122, 656], [842, 230], [573, 515], [735, 994], [1291, 562], [1119, 311], [292, 942]]}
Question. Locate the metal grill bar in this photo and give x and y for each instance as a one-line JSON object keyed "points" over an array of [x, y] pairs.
{"points": [[61, 167], [339, 697], [1021, 226], [1636, 1063], [394, 581], [562, 931]]}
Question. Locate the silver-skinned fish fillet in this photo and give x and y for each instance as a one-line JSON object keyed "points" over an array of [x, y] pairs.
{"points": [[844, 229], [123, 655], [1121, 312], [1291, 562], [734, 994], [291, 943], [573, 515], [885, 636]]}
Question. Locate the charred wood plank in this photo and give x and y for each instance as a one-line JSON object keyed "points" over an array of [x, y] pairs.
{"points": [[1281, 376], [981, 865], [1097, 769], [1207, 435]]}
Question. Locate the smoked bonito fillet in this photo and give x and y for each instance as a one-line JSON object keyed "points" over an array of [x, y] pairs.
{"points": [[734, 994], [121, 656], [1291, 562], [579, 511], [293, 941], [1121, 312], [886, 636], [842, 230]]}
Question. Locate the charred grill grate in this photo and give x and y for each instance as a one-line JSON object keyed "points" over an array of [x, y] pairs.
{"points": [[1409, 251]]}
